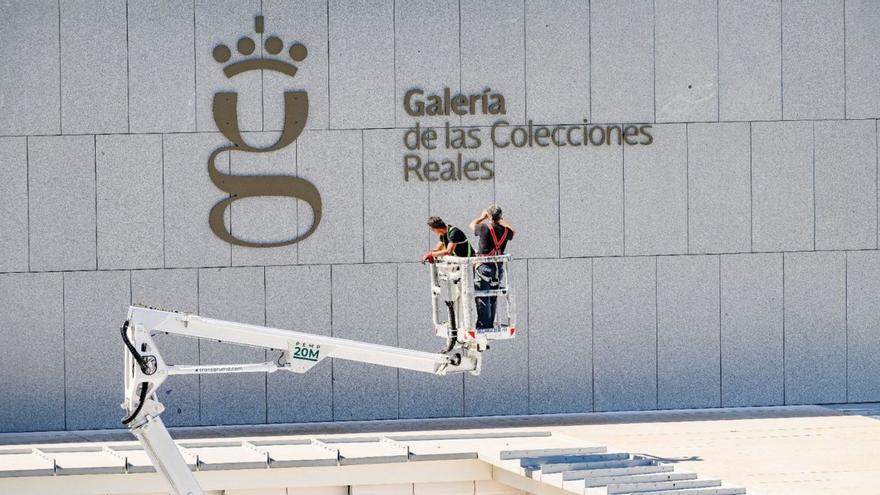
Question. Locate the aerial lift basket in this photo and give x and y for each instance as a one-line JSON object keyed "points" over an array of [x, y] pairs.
{"points": [[454, 300]]}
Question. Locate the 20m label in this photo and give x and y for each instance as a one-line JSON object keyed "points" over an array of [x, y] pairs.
{"points": [[306, 353]]}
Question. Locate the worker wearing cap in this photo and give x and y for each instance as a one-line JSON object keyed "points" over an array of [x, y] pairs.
{"points": [[494, 236], [453, 242]]}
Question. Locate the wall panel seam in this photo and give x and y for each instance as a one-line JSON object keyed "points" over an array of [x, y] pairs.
{"points": [[393, 61], [162, 149], [404, 128], [27, 185], [813, 157], [262, 82], [784, 371], [127, 72], [717, 62], [525, 67], [363, 204], [592, 334], [64, 347], [687, 185], [265, 323], [633, 256], [590, 60], [494, 176], [199, 341], [397, 326], [60, 77], [459, 52], [229, 169], [329, 121], [720, 339], [195, 73], [844, 59], [654, 55], [656, 335], [623, 198], [558, 203], [95, 155], [528, 341], [332, 361], [846, 322], [296, 203], [781, 62], [751, 196]]}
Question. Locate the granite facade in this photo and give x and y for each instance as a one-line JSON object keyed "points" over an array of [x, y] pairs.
{"points": [[686, 60], [298, 298], [14, 202], [31, 326], [366, 311], [815, 287], [749, 60], [688, 332], [625, 334], [560, 336], [169, 72], [94, 92], [419, 391], [733, 261], [752, 334], [232, 293]]}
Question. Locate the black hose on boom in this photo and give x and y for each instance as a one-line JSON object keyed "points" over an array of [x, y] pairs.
{"points": [[142, 362], [131, 348], [453, 327], [142, 399], [147, 363]]}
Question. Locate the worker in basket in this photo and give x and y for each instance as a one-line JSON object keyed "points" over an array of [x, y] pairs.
{"points": [[453, 242], [493, 238]]}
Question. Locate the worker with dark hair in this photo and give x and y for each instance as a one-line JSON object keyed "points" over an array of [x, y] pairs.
{"points": [[453, 242], [493, 237]]}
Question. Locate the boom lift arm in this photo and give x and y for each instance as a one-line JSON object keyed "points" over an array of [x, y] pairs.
{"points": [[146, 370]]}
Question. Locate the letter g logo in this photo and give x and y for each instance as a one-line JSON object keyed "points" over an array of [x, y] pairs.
{"points": [[225, 109]]}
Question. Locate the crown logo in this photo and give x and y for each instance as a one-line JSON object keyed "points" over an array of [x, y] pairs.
{"points": [[246, 47], [225, 110]]}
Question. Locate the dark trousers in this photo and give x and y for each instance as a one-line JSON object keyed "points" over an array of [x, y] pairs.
{"points": [[487, 277]]}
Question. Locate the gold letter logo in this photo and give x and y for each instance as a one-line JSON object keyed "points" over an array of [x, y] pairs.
{"points": [[225, 109]]}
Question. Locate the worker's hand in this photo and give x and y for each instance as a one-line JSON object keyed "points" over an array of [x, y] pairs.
{"points": [[428, 257]]}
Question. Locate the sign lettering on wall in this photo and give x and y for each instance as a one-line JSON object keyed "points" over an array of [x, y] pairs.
{"points": [[452, 166], [447, 144]]}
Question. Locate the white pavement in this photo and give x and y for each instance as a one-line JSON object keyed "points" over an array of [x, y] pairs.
{"points": [[807, 455]]}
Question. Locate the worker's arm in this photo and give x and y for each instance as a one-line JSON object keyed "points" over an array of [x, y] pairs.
{"points": [[442, 250], [439, 250], [478, 220]]}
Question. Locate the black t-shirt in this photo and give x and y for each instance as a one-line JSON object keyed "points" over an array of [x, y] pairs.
{"points": [[487, 243], [462, 245]]}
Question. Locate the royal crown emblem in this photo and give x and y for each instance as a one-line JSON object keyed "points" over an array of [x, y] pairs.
{"points": [[225, 110]]}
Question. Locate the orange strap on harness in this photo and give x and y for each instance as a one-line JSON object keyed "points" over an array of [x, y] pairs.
{"points": [[498, 242]]}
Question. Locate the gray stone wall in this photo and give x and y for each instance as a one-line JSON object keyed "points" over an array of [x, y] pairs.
{"points": [[733, 262]]}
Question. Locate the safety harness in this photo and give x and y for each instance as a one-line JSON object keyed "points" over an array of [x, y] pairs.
{"points": [[449, 230], [496, 250], [498, 242]]}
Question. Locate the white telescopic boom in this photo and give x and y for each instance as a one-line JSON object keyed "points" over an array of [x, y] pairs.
{"points": [[305, 349], [145, 370]]}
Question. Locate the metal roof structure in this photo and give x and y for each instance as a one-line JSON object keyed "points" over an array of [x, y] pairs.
{"points": [[527, 461]]}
